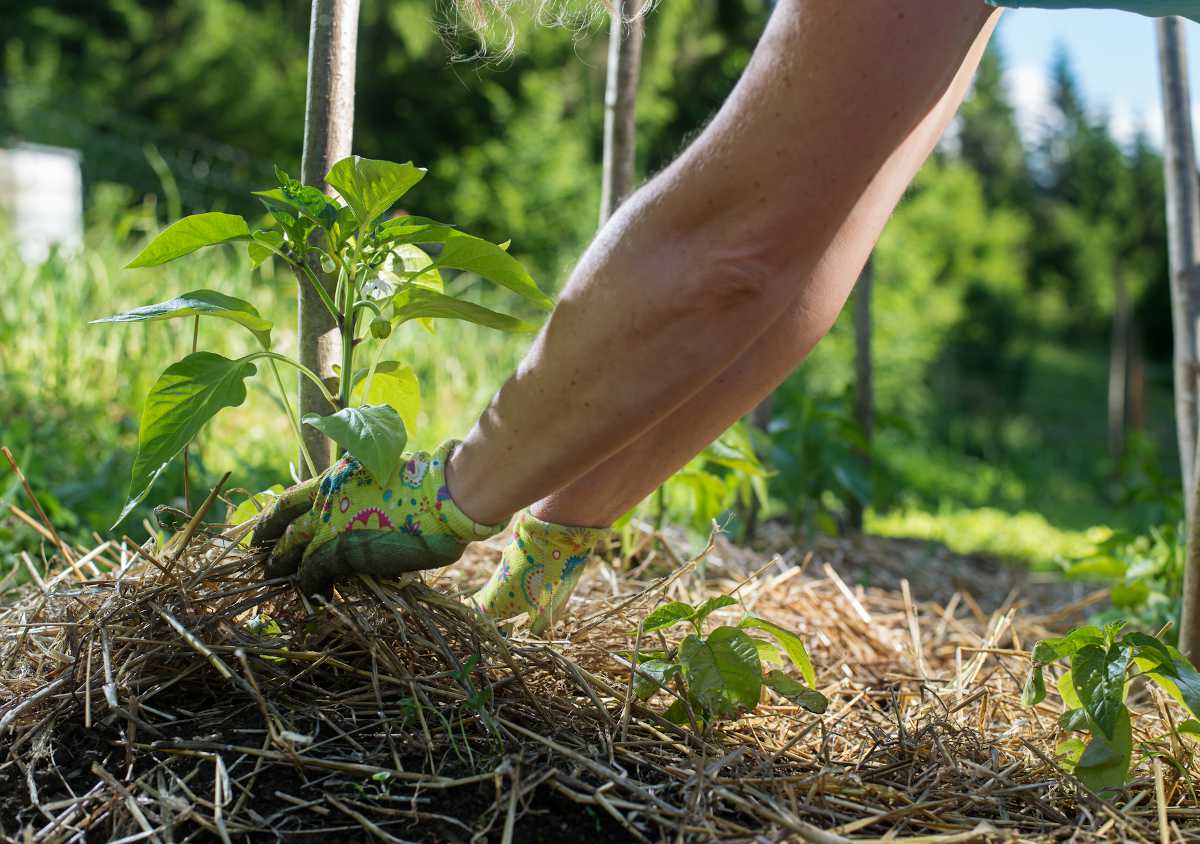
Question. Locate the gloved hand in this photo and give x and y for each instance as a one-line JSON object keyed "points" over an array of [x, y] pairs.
{"points": [[538, 571], [344, 523], [1153, 8]]}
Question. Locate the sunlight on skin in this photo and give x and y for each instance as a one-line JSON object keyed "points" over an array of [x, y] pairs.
{"points": [[743, 250]]}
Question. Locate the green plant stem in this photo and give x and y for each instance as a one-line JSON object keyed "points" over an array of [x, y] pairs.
{"points": [[322, 293], [347, 377], [291, 415], [308, 373], [187, 485]]}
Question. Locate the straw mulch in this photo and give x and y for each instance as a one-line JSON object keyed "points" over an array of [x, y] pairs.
{"points": [[144, 695]]}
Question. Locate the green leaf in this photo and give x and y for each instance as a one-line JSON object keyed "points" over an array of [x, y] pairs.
{"points": [[1099, 678], [394, 384], [710, 606], [185, 396], [262, 246], [768, 652], [723, 672], [1049, 650], [461, 251], [660, 669], [797, 693], [1066, 689], [1104, 763], [306, 200], [1068, 752], [1190, 727], [370, 186], [415, 302], [1097, 568], [189, 234], [1129, 595], [255, 504], [677, 713], [200, 303], [1178, 678], [1034, 691], [409, 259], [666, 616], [1074, 720], [373, 434], [790, 642], [413, 230]]}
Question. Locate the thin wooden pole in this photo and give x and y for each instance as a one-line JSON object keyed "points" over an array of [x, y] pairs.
{"points": [[864, 377], [620, 105], [1183, 234], [328, 131]]}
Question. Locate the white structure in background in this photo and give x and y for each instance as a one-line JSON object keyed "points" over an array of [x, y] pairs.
{"points": [[41, 199]]}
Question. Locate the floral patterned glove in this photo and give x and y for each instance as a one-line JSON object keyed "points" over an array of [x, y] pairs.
{"points": [[539, 571], [344, 523]]}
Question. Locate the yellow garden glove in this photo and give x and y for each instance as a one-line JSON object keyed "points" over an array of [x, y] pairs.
{"points": [[345, 523], [538, 571]]}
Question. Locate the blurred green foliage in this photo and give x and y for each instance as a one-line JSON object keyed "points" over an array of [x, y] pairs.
{"points": [[994, 290]]}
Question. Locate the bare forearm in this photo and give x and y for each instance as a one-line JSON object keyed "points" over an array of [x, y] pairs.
{"points": [[699, 263]]}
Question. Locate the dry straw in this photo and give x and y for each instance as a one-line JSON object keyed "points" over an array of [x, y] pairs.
{"points": [[179, 697]]}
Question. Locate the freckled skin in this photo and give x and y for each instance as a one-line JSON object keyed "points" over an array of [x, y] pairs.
{"points": [[715, 279]]}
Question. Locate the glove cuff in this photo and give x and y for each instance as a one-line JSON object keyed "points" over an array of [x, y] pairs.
{"points": [[458, 522]]}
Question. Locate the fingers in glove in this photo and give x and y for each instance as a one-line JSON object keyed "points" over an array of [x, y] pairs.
{"points": [[284, 510], [285, 556], [383, 553]]}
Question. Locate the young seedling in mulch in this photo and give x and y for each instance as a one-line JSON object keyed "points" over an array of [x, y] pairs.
{"points": [[1095, 688], [382, 273], [722, 675]]}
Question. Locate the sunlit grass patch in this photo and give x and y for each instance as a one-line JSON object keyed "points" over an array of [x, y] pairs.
{"points": [[1024, 535]]}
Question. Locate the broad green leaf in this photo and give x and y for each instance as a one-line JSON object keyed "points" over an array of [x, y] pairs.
{"points": [[768, 652], [373, 434], [189, 234], [201, 303], [407, 258], [660, 669], [394, 384], [723, 672], [1066, 689], [306, 200], [1149, 648], [1178, 678], [791, 643], [461, 251], [710, 606], [414, 302], [1074, 720], [666, 616], [1129, 595], [1190, 727], [370, 186], [262, 246], [1034, 691], [1104, 763], [413, 230], [1068, 752], [797, 693], [185, 396], [1099, 678], [1049, 650]]}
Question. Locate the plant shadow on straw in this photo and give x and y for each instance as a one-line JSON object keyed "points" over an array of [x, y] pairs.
{"points": [[175, 695]]}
